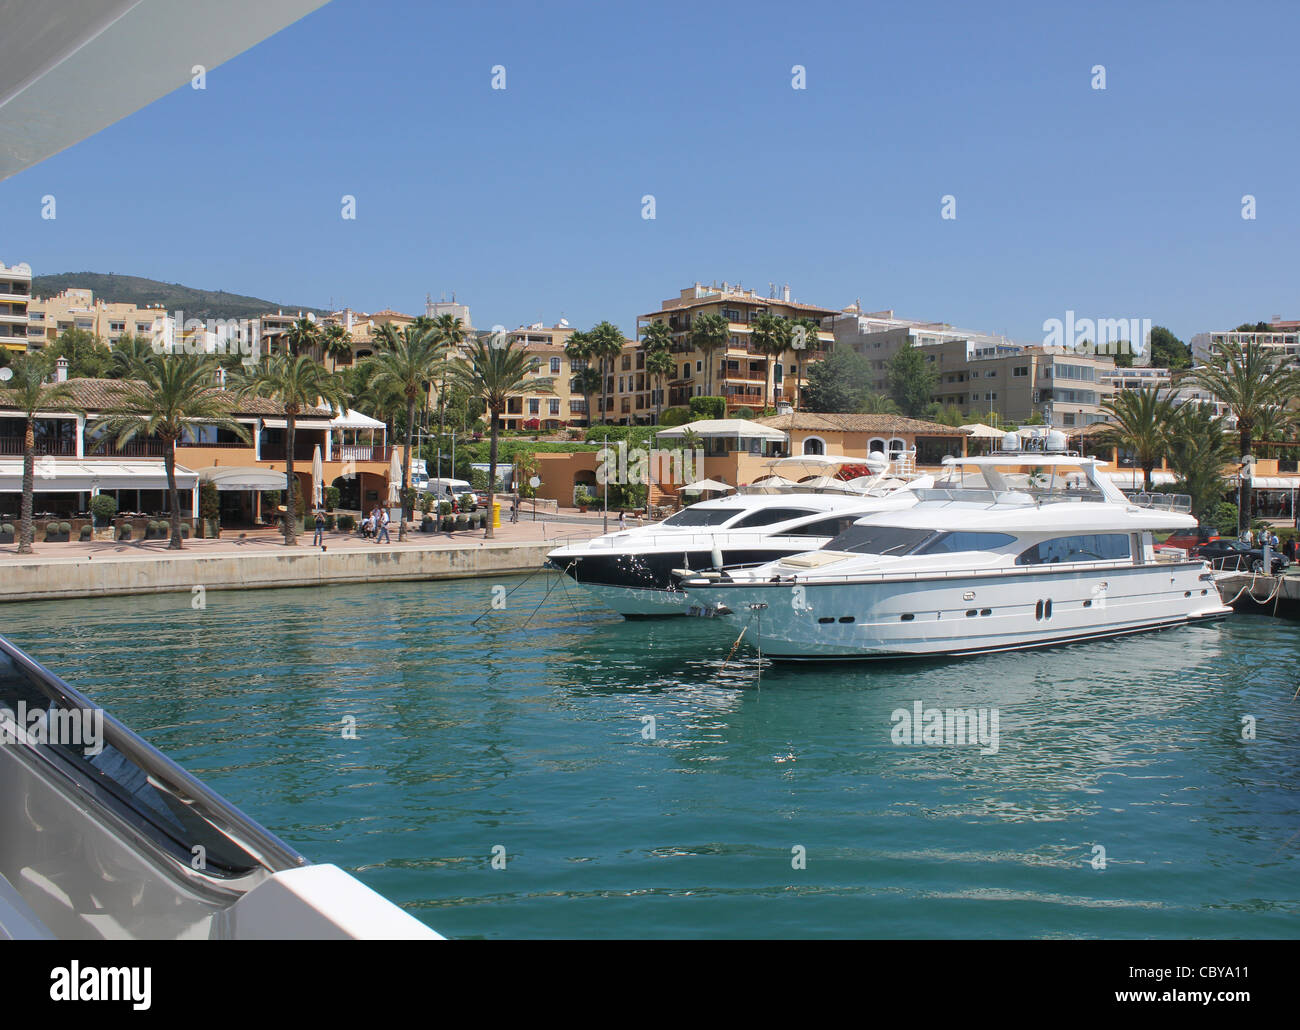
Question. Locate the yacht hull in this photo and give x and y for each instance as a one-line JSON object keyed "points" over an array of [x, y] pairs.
{"points": [[957, 614]]}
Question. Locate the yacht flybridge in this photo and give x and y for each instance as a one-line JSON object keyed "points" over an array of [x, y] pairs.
{"points": [[106, 838], [1038, 549], [632, 571]]}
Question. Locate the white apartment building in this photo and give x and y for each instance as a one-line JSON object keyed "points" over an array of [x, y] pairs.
{"points": [[15, 295]]}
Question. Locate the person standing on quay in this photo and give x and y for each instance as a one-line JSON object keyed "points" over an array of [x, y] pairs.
{"points": [[382, 521], [318, 538]]}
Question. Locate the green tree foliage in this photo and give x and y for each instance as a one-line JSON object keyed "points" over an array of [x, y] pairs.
{"points": [[1167, 350], [709, 333], [1199, 447], [707, 407], [87, 356], [1141, 420], [838, 383], [911, 380]]}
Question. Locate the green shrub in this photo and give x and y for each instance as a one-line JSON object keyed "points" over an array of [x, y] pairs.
{"points": [[331, 497], [707, 407], [448, 523], [1224, 518], [444, 508], [124, 531], [104, 508], [428, 525], [85, 534], [209, 501], [467, 502], [675, 416], [347, 523], [65, 528]]}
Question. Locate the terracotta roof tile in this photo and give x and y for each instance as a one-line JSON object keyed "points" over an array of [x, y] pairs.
{"points": [[852, 423]]}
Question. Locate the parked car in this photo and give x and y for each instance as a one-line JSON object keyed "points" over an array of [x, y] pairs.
{"points": [[1191, 539], [1233, 554]]}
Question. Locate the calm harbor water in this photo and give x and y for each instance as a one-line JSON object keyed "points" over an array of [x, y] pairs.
{"points": [[526, 732]]}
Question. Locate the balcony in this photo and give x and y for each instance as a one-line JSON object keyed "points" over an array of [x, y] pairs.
{"points": [[141, 447], [302, 451], [359, 452], [60, 447]]}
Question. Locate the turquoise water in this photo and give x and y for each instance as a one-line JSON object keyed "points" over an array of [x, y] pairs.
{"points": [[526, 732]]}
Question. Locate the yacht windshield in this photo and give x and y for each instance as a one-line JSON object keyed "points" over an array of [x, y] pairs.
{"points": [[879, 540], [695, 516]]}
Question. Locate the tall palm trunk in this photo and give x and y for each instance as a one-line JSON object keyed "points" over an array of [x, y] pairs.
{"points": [[1247, 434], [27, 530], [291, 484], [408, 509], [494, 414], [169, 463]]}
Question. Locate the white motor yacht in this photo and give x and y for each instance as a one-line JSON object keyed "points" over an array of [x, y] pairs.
{"points": [[1012, 561], [631, 571]]}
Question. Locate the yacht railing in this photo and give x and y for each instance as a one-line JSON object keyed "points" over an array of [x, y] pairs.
{"points": [[170, 790], [1162, 502], [980, 572]]}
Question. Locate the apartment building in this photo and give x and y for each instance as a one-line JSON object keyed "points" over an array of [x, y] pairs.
{"points": [[1283, 337], [77, 308], [564, 405], [746, 378], [15, 298], [983, 372]]}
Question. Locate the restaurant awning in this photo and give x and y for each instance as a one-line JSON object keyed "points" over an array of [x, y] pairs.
{"points": [[350, 419], [71, 475], [312, 422], [711, 428], [243, 477]]}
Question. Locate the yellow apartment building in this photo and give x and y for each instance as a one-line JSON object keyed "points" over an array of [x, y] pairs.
{"points": [[15, 298], [746, 378]]}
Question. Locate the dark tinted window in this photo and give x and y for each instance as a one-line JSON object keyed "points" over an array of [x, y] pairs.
{"points": [[695, 516], [771, 516], [879, 540], [823, 527], [966, 542], [1091, 547]]}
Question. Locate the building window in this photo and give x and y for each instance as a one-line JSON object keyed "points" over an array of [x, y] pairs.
{"points": [[699, 366], [1020, 371], [554, 405], [534, 405], [555, 366]]}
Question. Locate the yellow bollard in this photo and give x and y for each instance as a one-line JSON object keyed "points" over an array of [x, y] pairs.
{"points": [[496, 514]]}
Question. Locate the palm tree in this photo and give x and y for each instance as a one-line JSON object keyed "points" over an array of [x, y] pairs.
{"points": [[28, 392], [811, 344], [336, 342], [708, 333], [405, 364], [1199, 446], [166, 395], [303, 337], [878, 404], [771, 336], [656, 345], [451, 333], [298, 384], [493, 374], [129, 352], [1250, 381], [606, 343], [586, 379], [1141, 424]]}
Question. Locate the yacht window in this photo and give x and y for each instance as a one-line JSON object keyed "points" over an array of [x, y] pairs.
{"points": [[695, 516], [966, 542], [823, 527], [879, 540], [1092, 547], [771, 516]]}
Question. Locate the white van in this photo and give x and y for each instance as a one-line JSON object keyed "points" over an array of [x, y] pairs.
{"points": [[445, 489]]}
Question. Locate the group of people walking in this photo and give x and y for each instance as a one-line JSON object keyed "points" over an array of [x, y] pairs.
{"points": [[375, 525]]}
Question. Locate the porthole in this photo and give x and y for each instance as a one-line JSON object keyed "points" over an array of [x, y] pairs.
{"points": [[908, 617], [846, 618], [1047, 609], [971, 614], [986, 611], [1038, 611], [824, 621]]}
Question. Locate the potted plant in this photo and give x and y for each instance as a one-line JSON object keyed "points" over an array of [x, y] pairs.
{"points": [[585, 500], [103, 508], [209, 511]]}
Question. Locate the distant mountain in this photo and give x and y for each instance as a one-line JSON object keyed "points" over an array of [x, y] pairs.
{"points": [[132, 289]]}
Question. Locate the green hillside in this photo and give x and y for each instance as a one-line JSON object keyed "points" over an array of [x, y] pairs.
{"points": [[132, 289]]}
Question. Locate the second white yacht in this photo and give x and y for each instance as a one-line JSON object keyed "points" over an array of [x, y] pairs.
{"points": [[631, 571]]}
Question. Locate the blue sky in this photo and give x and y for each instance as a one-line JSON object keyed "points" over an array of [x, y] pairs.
{"points": [[527, 201]]}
